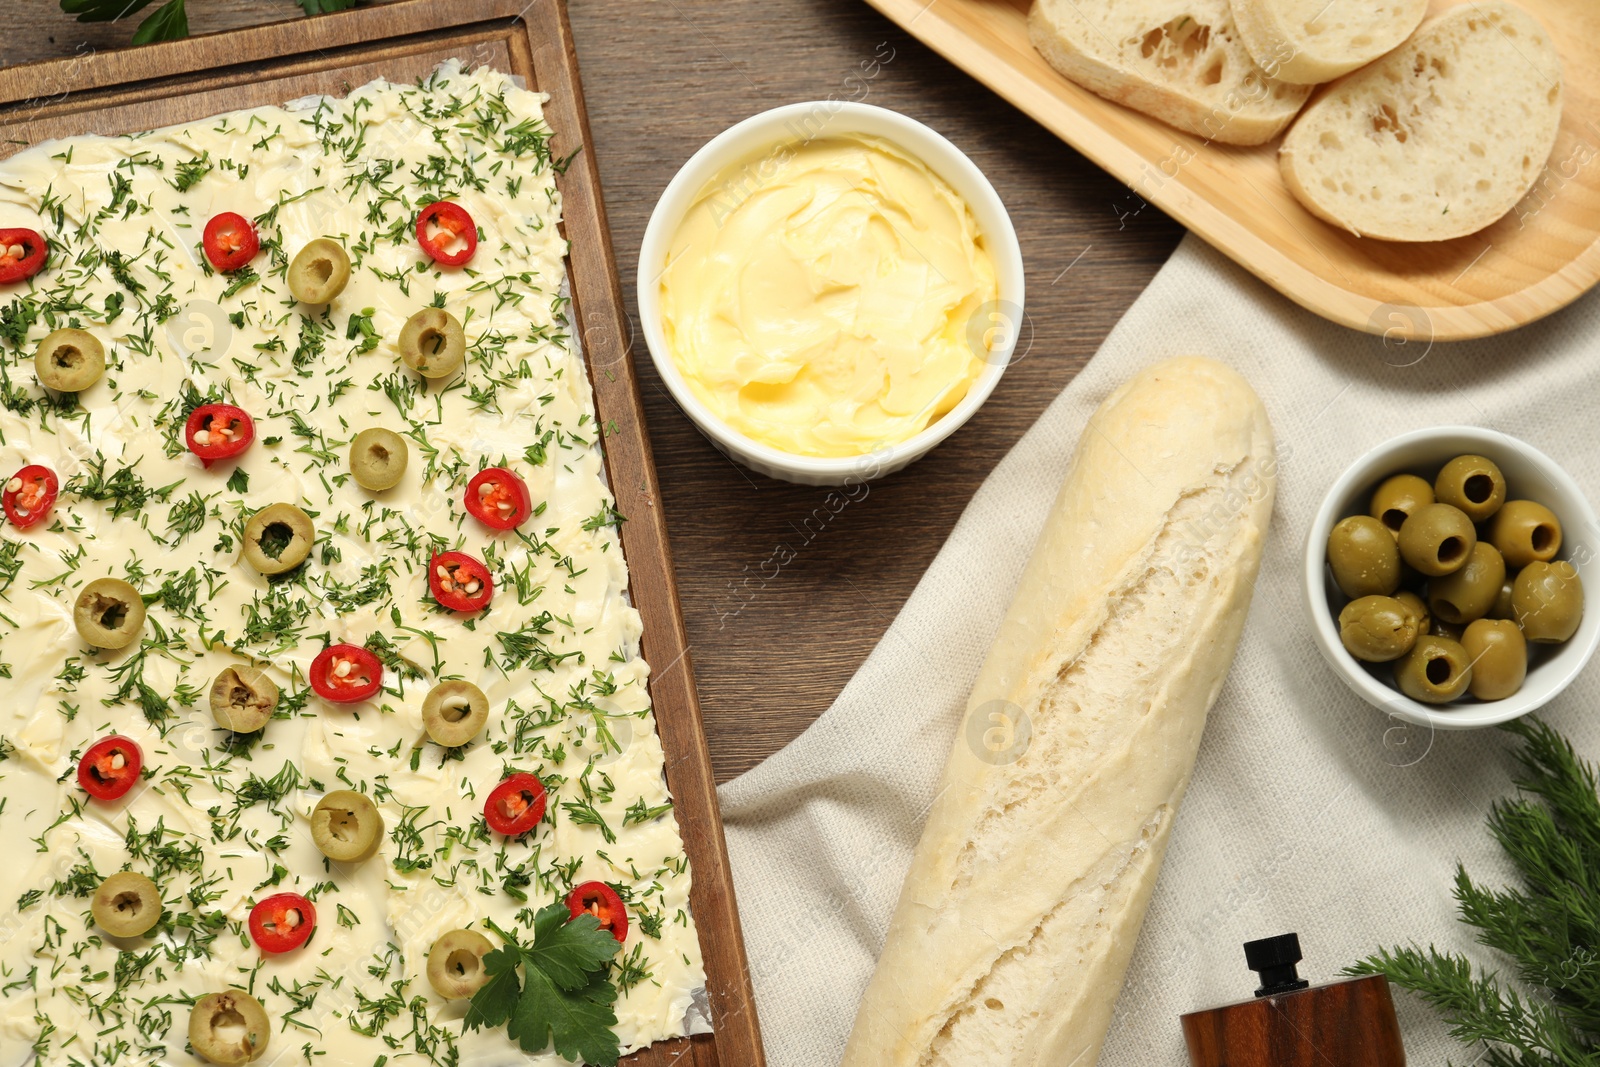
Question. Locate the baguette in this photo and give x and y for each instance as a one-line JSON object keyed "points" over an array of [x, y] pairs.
{"points": [[1308, 42], [1439, 138], [1180, 61], [1016, 921]]}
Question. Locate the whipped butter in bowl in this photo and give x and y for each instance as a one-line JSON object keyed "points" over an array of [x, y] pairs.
{"points": [[829, 290]]}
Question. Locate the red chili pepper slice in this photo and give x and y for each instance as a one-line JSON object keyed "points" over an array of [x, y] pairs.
{"points": [[230, 241], [498, 498], [218, 431], [460, 582], [282, 922], [22, 254], [110, 767], [516, 805], [29, 495], [440, 225], [601, 901], [345, 674]]}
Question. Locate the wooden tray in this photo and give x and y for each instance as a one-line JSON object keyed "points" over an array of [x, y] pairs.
{"points": [[139, 89], [1514, 272]]}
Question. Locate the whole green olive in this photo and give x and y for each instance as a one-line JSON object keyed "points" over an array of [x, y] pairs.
{"points": [[243, 699], [278, 538], [1525, 532], [433, 344], [229, 1028], [1418, 609], [1499, 654], [1363, 557], [346, 826], [1473, 484], [1501, 608], [1437, 670], [1469, 593], [319, 272], [1399, 496], [69, 361], [126, 905], [1377, 629], [455, 964], [378, 459], [1437, 539], [109, 613], [1547, 601], [453, 713]]}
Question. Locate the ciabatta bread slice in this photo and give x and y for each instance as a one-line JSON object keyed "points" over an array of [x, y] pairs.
{"points": [[1308, 42], [1025, 896], [1180, 61], [1439, 138]]}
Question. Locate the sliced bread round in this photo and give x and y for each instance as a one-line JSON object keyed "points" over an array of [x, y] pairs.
{"points": [[1308, 42], [1180, 61], [1439, 138]]}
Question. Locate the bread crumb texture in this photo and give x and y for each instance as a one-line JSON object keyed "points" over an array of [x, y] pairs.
{"points": [[1438, 139], [1103, 714], [1181, 61], [1312, 41]]}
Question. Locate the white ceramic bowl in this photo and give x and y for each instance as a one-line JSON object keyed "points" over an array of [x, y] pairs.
{"points": [[827, 119], [1530, 475]]}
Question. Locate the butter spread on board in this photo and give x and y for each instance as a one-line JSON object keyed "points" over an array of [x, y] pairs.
{"points": [[220, 822], [821, 297]]}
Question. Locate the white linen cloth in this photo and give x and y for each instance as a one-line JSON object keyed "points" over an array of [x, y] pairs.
{"points": [[1309, 810]]}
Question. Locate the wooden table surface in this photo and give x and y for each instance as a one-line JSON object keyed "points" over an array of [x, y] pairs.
{"points": [[661, 77]]}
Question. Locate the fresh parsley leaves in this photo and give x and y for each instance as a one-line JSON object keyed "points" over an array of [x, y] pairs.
{"points": [[563, 996]]}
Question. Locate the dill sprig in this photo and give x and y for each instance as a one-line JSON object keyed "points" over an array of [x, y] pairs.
{"points": [[1549, 926]]}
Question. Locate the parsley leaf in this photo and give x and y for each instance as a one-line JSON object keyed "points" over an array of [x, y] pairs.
{"points": [[563, 998], [239, 480]]}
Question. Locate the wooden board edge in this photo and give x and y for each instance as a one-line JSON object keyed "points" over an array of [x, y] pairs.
{"points": [[48, 79], [1443, 322], [630, 463]]}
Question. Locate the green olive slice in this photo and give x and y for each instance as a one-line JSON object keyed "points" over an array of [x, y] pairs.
{"points": [[69, 361], [109, 613], [126, 905], [229, 1028], [319, 272], [433, 344], [278, 538], [243, 699], [455, 964], [378, 459], [454, 712], [346, 826]]}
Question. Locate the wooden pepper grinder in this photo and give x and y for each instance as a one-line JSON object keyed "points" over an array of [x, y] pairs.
{"points": [[1292, 1024]]}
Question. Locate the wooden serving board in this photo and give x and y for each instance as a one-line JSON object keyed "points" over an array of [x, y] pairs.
{"points": [[1539, 258], [138, 89]]}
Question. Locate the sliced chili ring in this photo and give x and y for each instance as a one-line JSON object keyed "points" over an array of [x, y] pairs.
{"points": [[498, 498], [230, 241], [29, 495], [516, 805], [601, 901], [282, 922], [108, 770], [459, 582], [218, 431], [23, 253], [441, 224], [344, 674]]}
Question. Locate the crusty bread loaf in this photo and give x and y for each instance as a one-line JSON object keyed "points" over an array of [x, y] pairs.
{"points": [[1439, 138], [1180, 61], [1312, 41], [1029, 884]]}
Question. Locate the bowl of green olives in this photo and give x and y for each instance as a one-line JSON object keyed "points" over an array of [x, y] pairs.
{"points": [[1443, 577]]}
